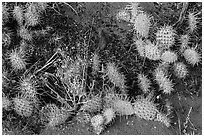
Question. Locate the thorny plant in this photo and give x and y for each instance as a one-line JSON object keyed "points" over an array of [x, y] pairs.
{"points": [[60, 59]]}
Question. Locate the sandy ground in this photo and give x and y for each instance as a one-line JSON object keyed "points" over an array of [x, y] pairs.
{"points": [[122, 126]]}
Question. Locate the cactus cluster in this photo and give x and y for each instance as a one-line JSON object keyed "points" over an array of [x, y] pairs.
{"points": [[55, 72]]}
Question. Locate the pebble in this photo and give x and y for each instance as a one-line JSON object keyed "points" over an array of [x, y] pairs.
{"points": [[131, 123]]}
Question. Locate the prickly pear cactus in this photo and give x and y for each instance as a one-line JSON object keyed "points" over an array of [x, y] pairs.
{"points": [[6, 103], [51, 115], [169, 57], [165, 37], [92, 104], [23, 107], [142, 24], [93, 64], [97, 123], [28, 89], [83, 117], [109, 115], [121, 104], [192, 56], [163, 119], [180, 70], [145, 109], [152, 52]]}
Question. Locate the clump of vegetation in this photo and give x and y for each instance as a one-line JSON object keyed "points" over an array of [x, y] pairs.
{"points": [[95, 62]]}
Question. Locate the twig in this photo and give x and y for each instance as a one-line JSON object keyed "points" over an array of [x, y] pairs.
{"points": [[187, 120], [192, 125], [180, 101], [53, 7], [60, 99], [179, 122], [185, 6], [144, 61], [47, 63], [71, 8]]}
